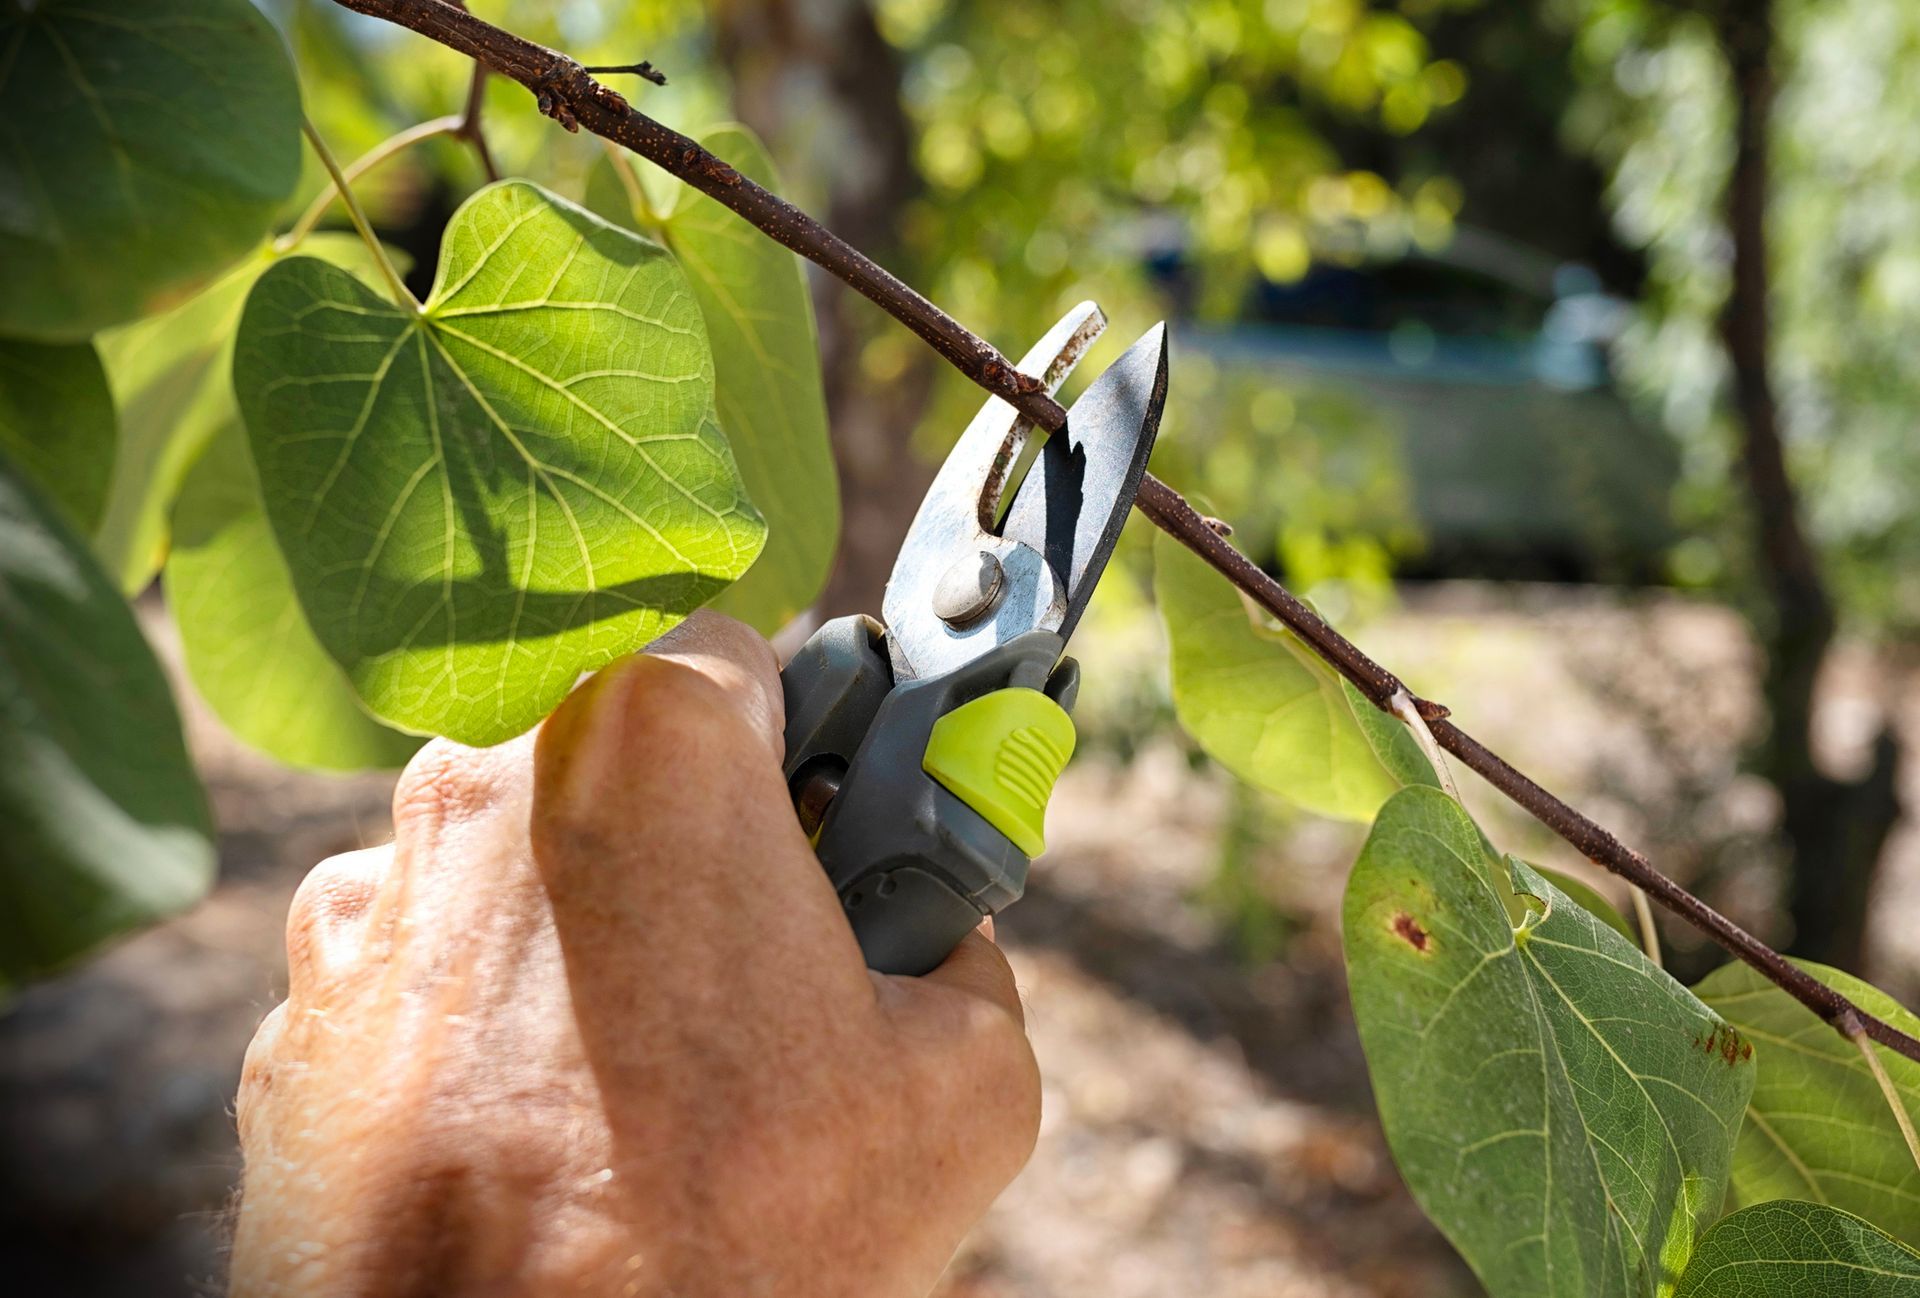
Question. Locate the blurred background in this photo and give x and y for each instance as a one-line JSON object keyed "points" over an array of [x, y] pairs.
{"points": [[1561, 351]]}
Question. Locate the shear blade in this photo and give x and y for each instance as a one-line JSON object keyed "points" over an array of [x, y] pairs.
{"points": [[948, 529], [1075, 498]]}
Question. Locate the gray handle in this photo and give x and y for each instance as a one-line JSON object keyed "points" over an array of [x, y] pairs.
{"points": [[916, 868]]}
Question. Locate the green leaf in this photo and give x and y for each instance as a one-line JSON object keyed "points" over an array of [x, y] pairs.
{"points": [[480, 501], [1786, 1249], [144, 144], [172, 382], [767, 387], [56, 421], [1562, 1109], [105, 824], [1818, 1126], [1263, 706], [1395, 747], [766, 362], [1591, 900], [247, 645]]}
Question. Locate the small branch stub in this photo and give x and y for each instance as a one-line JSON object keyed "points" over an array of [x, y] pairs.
{"points": [[643, 69]]}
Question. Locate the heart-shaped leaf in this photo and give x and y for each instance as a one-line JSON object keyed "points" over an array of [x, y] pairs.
{"points": [[1263, 706], [56, 421], [1789, 1249], [1562, 1109], [143, 145], [172, 377], [247, 644], [766, 366], [105, 826], [1818, 1126], [481, 500]]}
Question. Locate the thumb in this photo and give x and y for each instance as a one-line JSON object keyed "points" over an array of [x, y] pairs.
{"points": [[661, 819]]}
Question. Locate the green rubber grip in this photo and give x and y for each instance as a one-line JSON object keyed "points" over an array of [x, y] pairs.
{"points": [[1000, 754]]}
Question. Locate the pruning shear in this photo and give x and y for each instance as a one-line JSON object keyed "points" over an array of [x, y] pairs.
{"points": [[921, 753]]}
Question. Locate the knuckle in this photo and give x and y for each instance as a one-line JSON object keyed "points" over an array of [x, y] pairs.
{"points": [[445, 782], [339, 888], [331, 902]]}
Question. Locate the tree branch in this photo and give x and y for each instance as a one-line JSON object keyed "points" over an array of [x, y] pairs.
{"points": [[566, 92]]}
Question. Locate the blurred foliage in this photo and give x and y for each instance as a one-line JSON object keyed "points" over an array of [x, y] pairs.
{"points": [[1065, 147], [1845, 235]]}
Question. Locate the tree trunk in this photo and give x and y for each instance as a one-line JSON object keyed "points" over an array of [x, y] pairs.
{"points": [[1834, 829], [822, 68]]}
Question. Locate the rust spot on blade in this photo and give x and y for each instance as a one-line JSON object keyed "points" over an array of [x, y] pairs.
{"points": [[1408, 930]]}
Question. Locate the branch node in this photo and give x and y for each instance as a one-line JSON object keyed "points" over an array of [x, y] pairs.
{"points": [[553, 103]]}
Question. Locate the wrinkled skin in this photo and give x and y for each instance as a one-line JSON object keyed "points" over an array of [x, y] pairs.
{"points": [[594, 1023]]}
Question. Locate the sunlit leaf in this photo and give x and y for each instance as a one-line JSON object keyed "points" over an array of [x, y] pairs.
{"points": [[56, 421], [1789, 1249], [172, 381], [105, 826], [1561, 1108], [1264, 707], [247, 645], [480, 501], [766, 363], [1818, 1126], [143, 145]]}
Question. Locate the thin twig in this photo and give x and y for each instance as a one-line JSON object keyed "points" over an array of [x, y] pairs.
{"points": [[469, 128], [1856, 1032], [402, 296], [643, 69], [565, 91], [359, 167]]}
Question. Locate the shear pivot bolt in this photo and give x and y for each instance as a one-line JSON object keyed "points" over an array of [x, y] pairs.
{"points": [[968, 590]]}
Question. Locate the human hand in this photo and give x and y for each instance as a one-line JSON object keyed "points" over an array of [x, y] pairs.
{"points": [[594, 1023]]}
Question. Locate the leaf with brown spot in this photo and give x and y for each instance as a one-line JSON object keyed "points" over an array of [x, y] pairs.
{"points": [[1818, 1127], [1562, 1108]]}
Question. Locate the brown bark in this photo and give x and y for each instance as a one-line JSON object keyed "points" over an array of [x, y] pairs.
{"points": [[1834, 830]]}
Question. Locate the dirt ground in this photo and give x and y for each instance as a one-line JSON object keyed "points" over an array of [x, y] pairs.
{"points": [[1208, 1128]]}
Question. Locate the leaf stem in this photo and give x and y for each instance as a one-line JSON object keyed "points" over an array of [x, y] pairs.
{"points": [[566, 92], [402, 296], [359, 167], [1857, 1033], [1401, 705], [1643, 914], [643, 213]]}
